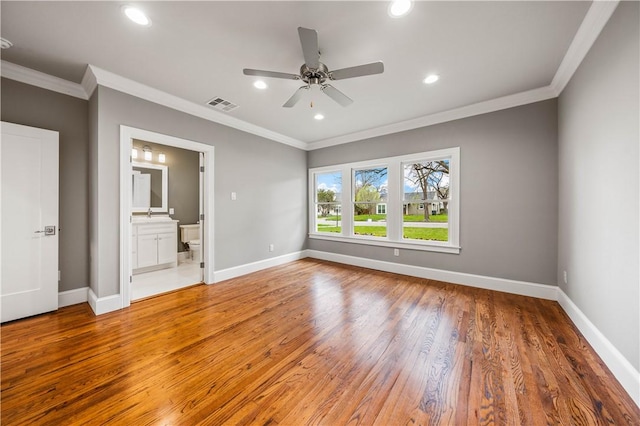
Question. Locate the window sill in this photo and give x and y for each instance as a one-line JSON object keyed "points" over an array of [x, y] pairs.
{"points": [[440, 248]]}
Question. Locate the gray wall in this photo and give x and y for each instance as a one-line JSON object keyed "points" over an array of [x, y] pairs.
{"points": [[598, 212], [508, 192], [35, 107], [184, 181], [269, 178]]}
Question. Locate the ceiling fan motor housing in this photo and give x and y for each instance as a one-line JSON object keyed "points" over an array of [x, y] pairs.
{"points": [[314, 76]]}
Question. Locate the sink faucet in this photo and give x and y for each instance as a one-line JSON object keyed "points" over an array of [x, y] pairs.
{"points": [[149, 213]]}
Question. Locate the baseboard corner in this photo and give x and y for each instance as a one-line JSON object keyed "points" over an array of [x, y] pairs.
{"points": [[102, 305]]}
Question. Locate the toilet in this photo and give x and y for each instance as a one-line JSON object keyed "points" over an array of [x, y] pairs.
{"points": [[190, 235]]}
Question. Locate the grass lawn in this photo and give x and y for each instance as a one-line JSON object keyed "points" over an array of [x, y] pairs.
{"points": [[383, 217], [435, 234]]}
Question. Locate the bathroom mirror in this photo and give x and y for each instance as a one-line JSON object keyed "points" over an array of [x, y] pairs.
{"points": [[149, 183]]}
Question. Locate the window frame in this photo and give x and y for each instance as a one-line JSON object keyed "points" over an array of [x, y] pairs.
{"points": [[395, 195], [313, 206]]}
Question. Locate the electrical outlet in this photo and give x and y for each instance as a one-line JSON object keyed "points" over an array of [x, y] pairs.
{"points": [[564, 276], [396, 252], [233, 196], [171, 210], [271, 247]]}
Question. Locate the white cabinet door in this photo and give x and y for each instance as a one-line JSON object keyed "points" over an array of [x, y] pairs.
{"points": [[167, 247], [147, 250], [29, 221]]}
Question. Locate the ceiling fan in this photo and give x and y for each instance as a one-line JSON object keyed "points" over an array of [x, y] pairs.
{"points": [[315, 72]]}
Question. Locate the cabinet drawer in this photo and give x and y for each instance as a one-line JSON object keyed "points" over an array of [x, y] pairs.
{"points": [[156, 228]]}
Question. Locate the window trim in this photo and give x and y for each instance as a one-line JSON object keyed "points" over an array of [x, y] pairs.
{"points": [[395, 174]]}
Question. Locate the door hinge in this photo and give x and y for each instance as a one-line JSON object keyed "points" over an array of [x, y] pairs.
{"points": [[201, 265], [201, 169], [202, 216], [130, 279]]}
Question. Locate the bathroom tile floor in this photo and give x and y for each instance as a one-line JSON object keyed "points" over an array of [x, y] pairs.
{"points": [[162, 281]]}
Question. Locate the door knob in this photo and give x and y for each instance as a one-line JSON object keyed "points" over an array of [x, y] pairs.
{"points": [[48, 230]]}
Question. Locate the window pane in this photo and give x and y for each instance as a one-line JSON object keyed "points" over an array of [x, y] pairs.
{"points": [[327, 200], [328, 218], [328, 187], [426, 199], [373, 225], [370, 202]]}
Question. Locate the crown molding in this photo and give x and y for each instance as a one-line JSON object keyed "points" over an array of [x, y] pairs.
{"points": [[122, 84], [89, 82], [484, 107], [42, 80], [594, 21]]}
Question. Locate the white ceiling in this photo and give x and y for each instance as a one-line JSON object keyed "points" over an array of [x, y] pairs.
{"points": [[197, 50]]}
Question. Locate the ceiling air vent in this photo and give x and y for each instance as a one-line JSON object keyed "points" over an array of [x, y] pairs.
{"points": [[222, 104]]}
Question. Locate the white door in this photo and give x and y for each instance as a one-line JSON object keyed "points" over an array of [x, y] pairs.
{"points": [[28, 221]]}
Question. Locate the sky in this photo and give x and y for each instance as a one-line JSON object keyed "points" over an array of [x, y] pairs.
{"points": [[332, 181]]}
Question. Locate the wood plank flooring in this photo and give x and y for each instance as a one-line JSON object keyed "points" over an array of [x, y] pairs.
{"points": [[310, 342]]}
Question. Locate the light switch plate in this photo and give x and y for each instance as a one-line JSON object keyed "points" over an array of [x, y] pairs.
{"points": [[171, 211]]}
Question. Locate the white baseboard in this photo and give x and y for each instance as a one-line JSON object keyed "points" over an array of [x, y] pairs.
{"points": [[541, 291], [621, 368], [236, 271], [73, 297], [102, 305]]}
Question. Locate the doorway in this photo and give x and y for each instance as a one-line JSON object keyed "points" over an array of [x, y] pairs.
{"points": [[165, 263]]}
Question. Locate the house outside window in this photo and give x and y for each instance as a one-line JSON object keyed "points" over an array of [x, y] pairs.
{"points": [[409, 201]]}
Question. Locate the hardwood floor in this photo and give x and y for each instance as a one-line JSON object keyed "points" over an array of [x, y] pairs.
{"points": [[310, 342]]}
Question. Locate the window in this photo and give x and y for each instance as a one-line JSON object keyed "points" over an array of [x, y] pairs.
{"points": [[426, 189], [328, 187], [408, 201], [369, 189]]}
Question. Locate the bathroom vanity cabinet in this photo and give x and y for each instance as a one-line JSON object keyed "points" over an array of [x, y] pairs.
{"points": [[154, 245]]}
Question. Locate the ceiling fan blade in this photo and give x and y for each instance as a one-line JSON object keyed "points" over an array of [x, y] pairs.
{"points": [[272, 74], [310, 49], [358, 71], [296, 97], [336, 95]]}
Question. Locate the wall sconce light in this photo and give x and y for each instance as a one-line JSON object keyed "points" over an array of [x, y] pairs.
{"points": [[134, 153], [161, 157], [148, 156]]}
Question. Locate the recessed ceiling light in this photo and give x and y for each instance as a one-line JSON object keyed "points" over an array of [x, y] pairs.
{"points": [[4, 43], [431, 79], [319, 117], [136, 15], [399, 8], [259, 84]]}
